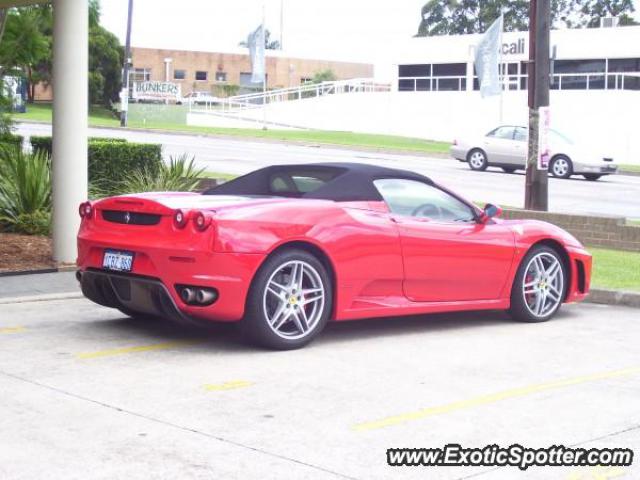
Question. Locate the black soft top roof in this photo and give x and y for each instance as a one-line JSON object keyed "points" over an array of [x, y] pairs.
{"points": [[344, 181]]}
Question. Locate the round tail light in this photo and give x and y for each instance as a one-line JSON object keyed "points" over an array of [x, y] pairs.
{"points": [[180, 219], [201, 221], [85, 210]]}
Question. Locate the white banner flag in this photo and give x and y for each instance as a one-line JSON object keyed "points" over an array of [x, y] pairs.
{"points": [[488, 59], [256, 43]]}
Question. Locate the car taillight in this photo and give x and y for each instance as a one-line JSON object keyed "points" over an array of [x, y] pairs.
{"points": [[180, 219], [201, 221], [85, 210]]}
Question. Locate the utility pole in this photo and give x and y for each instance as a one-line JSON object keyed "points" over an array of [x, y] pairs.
{"points": [[124, 95], [536, 188], [281, 24]]}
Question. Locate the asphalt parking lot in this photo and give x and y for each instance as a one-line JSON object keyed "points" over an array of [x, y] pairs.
{"points": [[88, 393]]}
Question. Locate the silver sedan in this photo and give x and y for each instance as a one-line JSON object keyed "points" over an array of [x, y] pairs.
{"points": [[506, 147]]}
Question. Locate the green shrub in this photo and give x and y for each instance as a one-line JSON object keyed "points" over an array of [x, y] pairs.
{"points": [[110, 163], [39, 142], [11, 140], [25, 188], [111, 160], [36, 223], [178, 176]]}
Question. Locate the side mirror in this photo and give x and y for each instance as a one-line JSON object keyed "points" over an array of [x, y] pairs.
{"points": [[489, 212]]}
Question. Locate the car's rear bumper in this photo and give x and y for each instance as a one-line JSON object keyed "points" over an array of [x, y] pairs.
{"points": [[595, 169], [157, 271], [458, 152]]}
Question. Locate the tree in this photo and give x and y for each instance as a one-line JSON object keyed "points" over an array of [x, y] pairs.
{"points": [[323, 76], [105, 62], [268, 43], [26, 49], [454, 17], [593, 10], [25, 46]]}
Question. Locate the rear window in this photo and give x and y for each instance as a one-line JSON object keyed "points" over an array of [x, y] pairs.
{"points": [[295, 183]]}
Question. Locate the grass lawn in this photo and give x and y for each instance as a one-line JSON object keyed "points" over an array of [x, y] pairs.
{"points": [[629, 168], [615, 269], [41, 112], [102, 117]]}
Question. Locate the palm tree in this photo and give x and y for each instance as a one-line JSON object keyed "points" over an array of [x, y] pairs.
{"points": [[268, 44]]}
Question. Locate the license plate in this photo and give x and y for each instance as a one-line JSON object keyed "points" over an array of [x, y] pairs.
{"points": [[119, 261]]}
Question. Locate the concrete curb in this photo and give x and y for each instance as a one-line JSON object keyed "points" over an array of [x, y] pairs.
{"points": [[61, 268], [45, 297], [614, 297]]}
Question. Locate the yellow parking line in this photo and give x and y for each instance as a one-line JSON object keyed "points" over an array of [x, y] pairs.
{"points": [[9, 330], [140, 348], [490, 398], [227, 385]]}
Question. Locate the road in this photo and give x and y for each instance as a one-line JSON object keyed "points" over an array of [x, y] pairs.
{"points": [[617, 195], [88, 393]]}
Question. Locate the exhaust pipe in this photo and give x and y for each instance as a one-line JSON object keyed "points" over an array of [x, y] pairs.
{"points": [[188, 295], [205, 296]]}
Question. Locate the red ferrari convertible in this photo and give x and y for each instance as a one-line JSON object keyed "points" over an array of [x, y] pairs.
{"points": [[285, 249]]}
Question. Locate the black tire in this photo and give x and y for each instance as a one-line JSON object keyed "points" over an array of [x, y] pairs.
{"points": [[508, 169], [592, 177], [477, 159], [256, 327], [561, 166], [520, 310]]}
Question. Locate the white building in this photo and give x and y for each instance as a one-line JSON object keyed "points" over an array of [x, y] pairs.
{"points": [[595, 92]]}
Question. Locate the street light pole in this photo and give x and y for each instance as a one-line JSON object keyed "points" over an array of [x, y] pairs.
{"points": [[536, 187], [124, 100]]}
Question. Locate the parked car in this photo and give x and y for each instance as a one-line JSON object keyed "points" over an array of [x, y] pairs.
{"points": [[506, 147], [199, 98], [287, 248]]}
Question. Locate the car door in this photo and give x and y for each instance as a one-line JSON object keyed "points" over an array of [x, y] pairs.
{"points": [[521, 138], [447, 255], [500, 146]]}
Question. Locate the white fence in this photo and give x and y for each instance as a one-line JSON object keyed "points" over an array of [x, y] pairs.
{"points": [[239, 103]]}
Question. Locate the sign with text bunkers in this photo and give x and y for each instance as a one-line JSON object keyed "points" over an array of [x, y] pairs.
{"points": [[156, 91]]}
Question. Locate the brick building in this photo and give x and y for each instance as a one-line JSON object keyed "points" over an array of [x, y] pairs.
{"points": [[211, 71], [207, 71]]}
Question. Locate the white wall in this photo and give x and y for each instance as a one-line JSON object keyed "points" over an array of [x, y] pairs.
{"points": [[603, 120]]}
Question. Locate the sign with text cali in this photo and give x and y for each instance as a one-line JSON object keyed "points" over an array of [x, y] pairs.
{"points": [[156, 90]]}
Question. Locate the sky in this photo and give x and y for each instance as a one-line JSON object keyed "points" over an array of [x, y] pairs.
{"points": [[360, 30], [332, 29]]}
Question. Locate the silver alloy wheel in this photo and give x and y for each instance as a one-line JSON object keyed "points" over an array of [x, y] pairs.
{"points": [[293, 300], [560, 167], [477, 159], [543, 284]]}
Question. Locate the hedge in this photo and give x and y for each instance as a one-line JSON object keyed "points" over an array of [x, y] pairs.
{"points": [[11, 140], [44, 142], [113, 161]]}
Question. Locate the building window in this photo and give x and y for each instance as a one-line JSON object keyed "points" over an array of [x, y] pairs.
{"points": [[579, 66], [221, 76], [414, 70], [201, 76], [179, 74], [449, 69], [140, 75], [305, 80], [427, 77]]}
